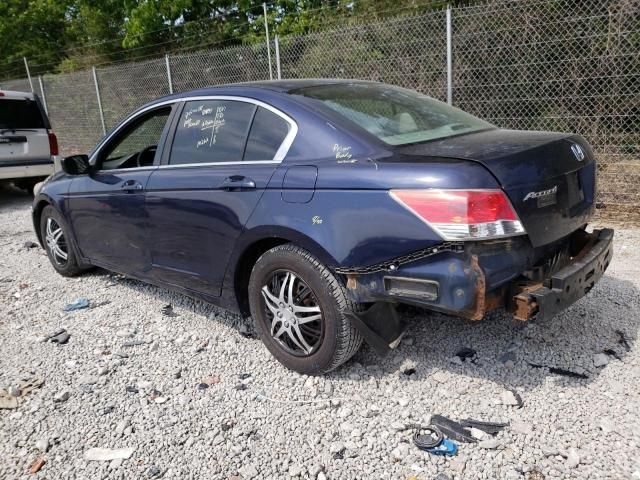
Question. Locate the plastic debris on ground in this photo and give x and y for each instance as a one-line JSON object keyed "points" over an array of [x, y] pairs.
{"points": [[11, 399], [61, 338], [492, 428], [108, 454], [37, 465], [466, 353], [431, 440], [612, 353], [78, 304], [211, 380], [622, 340], [452, 429], [560, 371]]}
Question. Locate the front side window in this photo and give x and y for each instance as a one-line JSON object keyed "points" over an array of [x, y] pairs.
{"points": [[137, 145], [395, 115], [212, 131]]}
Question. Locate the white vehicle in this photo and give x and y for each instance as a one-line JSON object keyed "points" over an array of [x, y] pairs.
{"points": [[28, 147]]}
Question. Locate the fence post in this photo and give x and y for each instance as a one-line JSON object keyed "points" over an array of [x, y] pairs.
{"points": [[266, 29], [26, 66], [449, 58], [277, 40], [95, 81], [44, 99], [166, 59]]}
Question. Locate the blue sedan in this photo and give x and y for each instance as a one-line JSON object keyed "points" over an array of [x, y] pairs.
{"points": [[318, 206]]}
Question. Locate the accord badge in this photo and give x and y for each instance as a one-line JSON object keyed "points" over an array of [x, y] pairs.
{"points": [[541, 193]]}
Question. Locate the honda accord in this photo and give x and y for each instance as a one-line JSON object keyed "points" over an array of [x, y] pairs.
{"points": [[318, 206]]}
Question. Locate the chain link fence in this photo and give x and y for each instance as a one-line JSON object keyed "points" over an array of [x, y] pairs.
{"points": [[244, 63], [562, 65], [559, 65], [73, 110], [407, 51]]}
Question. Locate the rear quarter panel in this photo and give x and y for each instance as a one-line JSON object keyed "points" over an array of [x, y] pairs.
{"points": [[351, 215]]}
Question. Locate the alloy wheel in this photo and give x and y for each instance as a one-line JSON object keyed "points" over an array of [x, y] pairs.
{"points": [[294, 313], [57, 244]]}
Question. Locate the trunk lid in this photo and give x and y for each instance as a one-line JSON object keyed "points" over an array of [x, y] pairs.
{"points": [[549, 177]]}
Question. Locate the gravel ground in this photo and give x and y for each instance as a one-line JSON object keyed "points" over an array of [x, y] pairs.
{"points": [[258, 420]]}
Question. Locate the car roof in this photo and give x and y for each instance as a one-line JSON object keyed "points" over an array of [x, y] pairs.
{"points": [[13, 94], [252, 88], [287, 86], [255, 89], [282, 86]]}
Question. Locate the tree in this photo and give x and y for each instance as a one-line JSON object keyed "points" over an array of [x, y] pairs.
{"points": [[66, 35]]}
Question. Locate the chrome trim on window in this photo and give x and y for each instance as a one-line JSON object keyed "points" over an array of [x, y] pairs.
{"points": [[211, 164], [278, 157]]}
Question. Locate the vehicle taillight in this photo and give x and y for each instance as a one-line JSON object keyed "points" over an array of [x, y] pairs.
{"points": [[53, 143], [463, 214]]}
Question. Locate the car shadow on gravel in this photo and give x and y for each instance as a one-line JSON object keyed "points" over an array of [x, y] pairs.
{"points": [[11, 197], [505, 348], [514, 354]]}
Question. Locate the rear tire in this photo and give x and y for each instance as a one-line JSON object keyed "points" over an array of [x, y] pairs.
{"points": [[299, 309], [57, 242]]}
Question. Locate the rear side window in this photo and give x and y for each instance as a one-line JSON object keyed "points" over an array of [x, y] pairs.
{"points": [[268, 131], [212, 131], [15, 113]]}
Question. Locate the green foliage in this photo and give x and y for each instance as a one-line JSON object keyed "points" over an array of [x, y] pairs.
{"points": [[67, 35]]}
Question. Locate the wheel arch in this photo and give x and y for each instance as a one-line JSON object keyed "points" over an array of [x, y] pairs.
{"points": [[39, 204], [38, 207], [252, 245]]}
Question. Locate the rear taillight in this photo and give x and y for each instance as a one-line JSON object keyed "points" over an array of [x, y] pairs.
{"points": [[463, 214], [53, 143]]}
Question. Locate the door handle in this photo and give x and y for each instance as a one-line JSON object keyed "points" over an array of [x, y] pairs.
{"points": [[132, 186], [238, 183]]}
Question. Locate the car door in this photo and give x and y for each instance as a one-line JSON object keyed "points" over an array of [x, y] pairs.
{"points": [[222, 156], [107, 206]]}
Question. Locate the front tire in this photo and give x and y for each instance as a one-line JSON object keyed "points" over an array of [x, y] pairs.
{"points": [[299, 309], [57, 243]]}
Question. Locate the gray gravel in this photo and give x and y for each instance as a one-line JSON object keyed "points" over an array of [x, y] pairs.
{"points": [[169, 398]]}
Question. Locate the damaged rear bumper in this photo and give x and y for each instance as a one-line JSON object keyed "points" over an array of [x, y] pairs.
{"points": [[569, 284], [471, 280]]}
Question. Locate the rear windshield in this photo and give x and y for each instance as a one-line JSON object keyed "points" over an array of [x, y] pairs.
{"points": [[395, 115], [17, 113]]}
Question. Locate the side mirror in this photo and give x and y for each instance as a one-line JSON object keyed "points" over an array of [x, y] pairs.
{"points": [[76, 165]]}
